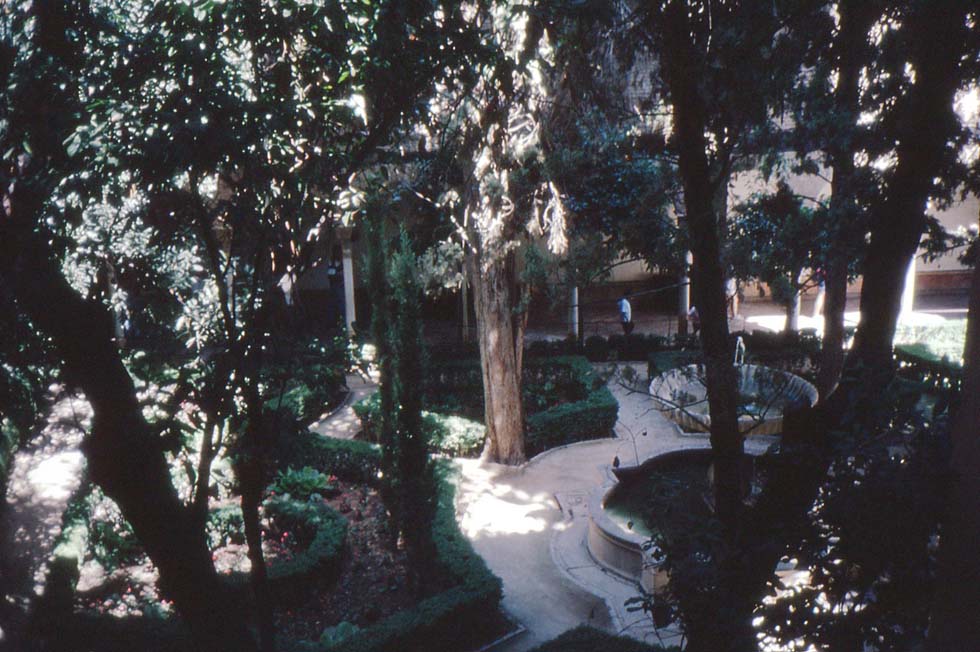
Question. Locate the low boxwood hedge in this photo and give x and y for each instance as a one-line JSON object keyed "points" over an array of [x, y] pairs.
{"points": [[591, 415], [8, 445], [448, 434], [448, 620], [321, 530], [589, 639], [323, 534]]}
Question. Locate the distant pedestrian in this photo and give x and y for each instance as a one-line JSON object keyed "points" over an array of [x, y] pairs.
{"points": [[694, 319], [626, 313]]}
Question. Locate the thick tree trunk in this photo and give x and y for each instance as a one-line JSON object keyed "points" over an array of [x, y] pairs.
{"points": [[955, 625], [856, 18], [124, 458], [707, 272], [897, 223], [500, 331]]}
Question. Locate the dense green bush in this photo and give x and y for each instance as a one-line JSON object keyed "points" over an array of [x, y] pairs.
{"points": [[447, 434], [313, 380], [589, 410], [320, 532], [436, 622], [918, 363], [588, 639], [592, 417], [8, 444]]}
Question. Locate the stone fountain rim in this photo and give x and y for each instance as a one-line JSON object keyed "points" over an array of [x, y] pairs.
{"points": [[748, 425]]}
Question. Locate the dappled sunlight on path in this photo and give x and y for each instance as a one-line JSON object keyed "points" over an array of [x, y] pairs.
{"points": [[43, 476]]}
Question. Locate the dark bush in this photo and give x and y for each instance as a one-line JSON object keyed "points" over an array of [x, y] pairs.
{"points": [[588, 639], [452, 619]]}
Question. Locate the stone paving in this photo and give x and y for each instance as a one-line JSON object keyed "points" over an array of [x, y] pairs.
{"points": [[529, 523]]}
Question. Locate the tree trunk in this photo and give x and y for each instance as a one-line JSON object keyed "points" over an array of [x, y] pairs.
{"points": [[500, 330], [832, 349], [124, 458], [955, 625], [707, 272], [898, 221], [856, 18], [793, 311]]}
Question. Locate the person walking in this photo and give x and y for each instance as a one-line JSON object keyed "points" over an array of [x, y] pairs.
{"points": [[694, 319], [626, 313]]}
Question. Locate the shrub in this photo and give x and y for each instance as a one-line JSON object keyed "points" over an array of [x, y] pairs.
{"points": [[592, 417], [588, 639], [436, 622], [597, 348], [590, 414], [321, 530], [302, 483], [225, 525], [8, 444], [447, 434]]}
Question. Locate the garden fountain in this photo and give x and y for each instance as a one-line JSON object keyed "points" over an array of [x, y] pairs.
{"points": [[764, 395], [620, 531]]}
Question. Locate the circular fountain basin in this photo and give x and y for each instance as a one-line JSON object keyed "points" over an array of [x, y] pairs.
{"points": [[764, 395], [619, 536]]}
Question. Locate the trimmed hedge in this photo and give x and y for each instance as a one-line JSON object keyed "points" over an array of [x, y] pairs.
{"points": [[444, 621], [326, 533], [592, 416], [322, 528], [588, 639], [447, 434], [916, 362]]}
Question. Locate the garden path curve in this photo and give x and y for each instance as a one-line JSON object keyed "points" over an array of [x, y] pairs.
{"points": [[529, 522]]}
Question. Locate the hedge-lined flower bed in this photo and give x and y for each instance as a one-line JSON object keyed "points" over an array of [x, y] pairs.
{"points": [[448, 434], [589, 410], [320, 533], [592, 417], [447, 620]]}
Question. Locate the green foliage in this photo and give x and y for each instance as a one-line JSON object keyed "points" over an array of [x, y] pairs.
{"points": [[311, 378], [591, 418], [436, 622], [583, 408], [446, 434], [588, 639], [320, 532], [870, 541], [301, 484], [225, 525], [111, 540], [773, 238], [8, 445], [943, 341], [333, 636], [351, 460]]}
